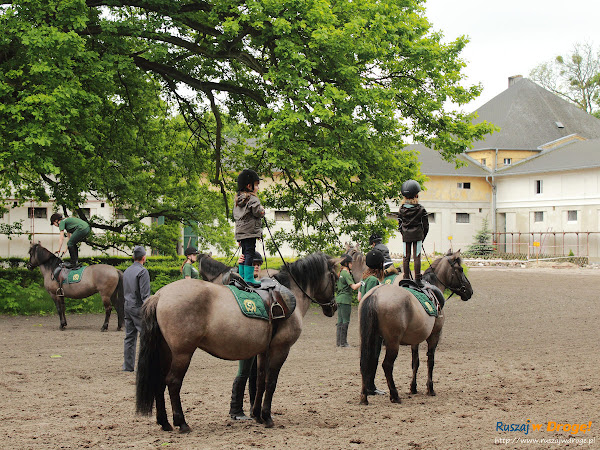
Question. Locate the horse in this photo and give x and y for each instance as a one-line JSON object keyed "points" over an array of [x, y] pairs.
{"points": [[215, 271], [101, 278], [191, 313], [395, 315]]}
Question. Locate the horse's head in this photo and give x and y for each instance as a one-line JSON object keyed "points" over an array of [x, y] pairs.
{"points": [[359, 264], [210, 268], [38, 255], [454, 273]]}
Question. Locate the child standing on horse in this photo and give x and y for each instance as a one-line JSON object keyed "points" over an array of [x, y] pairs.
{"points": [[247, 213], [77, 229], [414, 226]]}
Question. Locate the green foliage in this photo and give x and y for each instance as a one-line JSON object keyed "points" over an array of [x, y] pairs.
{"points": [[482, 245], [329, 91]]}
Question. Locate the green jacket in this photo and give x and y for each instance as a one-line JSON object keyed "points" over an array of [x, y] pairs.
{"points": [[189, 271], [344, 291], [367, 284], [72, 224]]}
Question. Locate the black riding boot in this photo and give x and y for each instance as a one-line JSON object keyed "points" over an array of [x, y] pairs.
{"points": [[344, 335], [419, 280], [338, 335], [73, 252], [237, 399]]}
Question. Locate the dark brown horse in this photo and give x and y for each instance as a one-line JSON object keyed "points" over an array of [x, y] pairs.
{"points": [[393, 314], [190, 314], [101, 278]]}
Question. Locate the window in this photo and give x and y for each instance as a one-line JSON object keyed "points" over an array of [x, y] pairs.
{"points": [[483, 161], [282, 216], [120, 213], [37, 213], [431, 218], [538, 186], [463, 185], [462, 218], [507, 161], [572, 216], [538, 216]]}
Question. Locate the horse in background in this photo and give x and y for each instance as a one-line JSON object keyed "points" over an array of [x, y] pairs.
{"points": [[394, 314], [101, 278], [190, 314]]}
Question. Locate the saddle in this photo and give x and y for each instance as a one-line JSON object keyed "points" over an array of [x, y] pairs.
{"points": [[431, 291], [61, 274], [279, 301]]}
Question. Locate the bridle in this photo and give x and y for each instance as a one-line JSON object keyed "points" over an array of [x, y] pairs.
{"points": [[458, 291], [39, 263]]}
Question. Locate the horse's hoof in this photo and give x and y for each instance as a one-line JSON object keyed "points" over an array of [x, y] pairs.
{"points": [[269, 423], [184, 428], [395, 400], [103, 329], [413, 390], [258, 419], [363, 400], [166, 427], [431, 393]]}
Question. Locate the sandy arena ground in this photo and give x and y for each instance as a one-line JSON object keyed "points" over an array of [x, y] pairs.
{"points": [[524, 348]]}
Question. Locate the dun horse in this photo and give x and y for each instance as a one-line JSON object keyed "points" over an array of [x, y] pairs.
{"points": [[215, 271], [190, 314], [394, 314], [101, 278]]}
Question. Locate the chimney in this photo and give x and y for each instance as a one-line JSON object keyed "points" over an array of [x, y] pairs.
{"points": [[515, 78]]}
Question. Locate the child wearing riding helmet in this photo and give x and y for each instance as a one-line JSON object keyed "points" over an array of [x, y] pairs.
{"points": [[247, 213], [375, 241], [374, 275], [345, 286], [187, 268], [414, 226]]}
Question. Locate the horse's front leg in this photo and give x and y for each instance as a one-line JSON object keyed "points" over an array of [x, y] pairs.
{"points": [[59, 301], [276, 360], [391, 353], [432, 342], [261, 373], [415, 368], [107, 310]]}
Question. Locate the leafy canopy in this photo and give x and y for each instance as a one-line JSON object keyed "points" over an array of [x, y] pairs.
{"points": [[151, 105]]}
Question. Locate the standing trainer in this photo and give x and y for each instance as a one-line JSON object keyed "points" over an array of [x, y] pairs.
{"points": [[136, 290]]}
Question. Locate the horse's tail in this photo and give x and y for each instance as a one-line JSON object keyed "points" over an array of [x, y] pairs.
{"points": [[149, 374], [119, 302], [369, 337]]}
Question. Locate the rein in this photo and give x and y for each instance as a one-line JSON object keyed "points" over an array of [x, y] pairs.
{"points": [[331, 303], [39, 263]]}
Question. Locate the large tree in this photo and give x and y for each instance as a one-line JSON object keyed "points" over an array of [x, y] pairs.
{"points": [[575, 77], [95, 95]]}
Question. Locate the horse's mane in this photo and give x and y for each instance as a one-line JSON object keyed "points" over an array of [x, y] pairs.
{"points": [[210, 266], [437, 262], [42, 253], [305, 271]]}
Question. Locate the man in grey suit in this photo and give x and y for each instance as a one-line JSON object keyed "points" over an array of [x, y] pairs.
{"points": [[136, 290]]}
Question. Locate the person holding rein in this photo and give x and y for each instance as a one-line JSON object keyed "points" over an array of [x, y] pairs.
{"points": [[345, 286], [77, 229]]}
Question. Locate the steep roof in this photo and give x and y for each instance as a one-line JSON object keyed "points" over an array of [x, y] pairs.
{"points": [[433, 164], [528, 114], [574, 156]]}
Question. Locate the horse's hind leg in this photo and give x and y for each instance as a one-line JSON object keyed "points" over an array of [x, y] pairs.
{"points": [[432, 343], [261, 375], [415, 368], [276, 360], [174, 380], [161, 410], [391, 353], [59, 301], [107, 310]]}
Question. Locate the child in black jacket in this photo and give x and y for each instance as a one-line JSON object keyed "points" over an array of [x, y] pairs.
{"points": [[414, 226]]}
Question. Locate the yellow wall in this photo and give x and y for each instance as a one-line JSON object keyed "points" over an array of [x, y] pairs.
{"points": [[490, 156], [444, 188]]}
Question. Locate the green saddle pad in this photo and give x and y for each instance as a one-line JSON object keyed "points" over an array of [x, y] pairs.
{"points": [[429, 306], [250, 303], [390, 279], [76, 275]]}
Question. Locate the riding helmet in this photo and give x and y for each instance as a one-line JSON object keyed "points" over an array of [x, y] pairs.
{"points": [[191, 250], [375, 238], [54, 217], [410, 189], [374, 259], [346, 259], [246, 177], [258, 259]]}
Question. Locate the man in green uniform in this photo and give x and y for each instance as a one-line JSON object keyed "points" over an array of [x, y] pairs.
{"points": [[77, 229]]}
